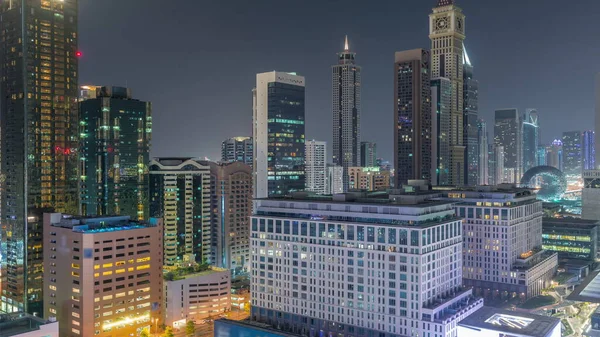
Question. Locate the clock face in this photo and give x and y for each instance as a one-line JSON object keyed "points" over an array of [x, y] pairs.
{"points": [[441, 23]]}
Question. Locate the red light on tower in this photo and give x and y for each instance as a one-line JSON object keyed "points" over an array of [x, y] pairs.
{"points": [[78, 53]]}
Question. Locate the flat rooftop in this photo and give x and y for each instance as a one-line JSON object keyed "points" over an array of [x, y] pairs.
{"points": [[512, 322], [589, 290], [412, 199], [99, 224], [19, 323], [570, 222]]}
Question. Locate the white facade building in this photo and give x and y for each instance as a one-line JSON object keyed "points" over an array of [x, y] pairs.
{"points": [[335, 179], [358, 266], [493, 322], [590, 197], [316, 166]]}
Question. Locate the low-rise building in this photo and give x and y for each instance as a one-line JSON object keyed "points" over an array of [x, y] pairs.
{"points": [[493, 322], [196, 295], [368, 179], [24, 325], [571, 238]]}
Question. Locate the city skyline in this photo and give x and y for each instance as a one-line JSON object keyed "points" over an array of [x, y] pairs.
{"points": [[191, 67]]}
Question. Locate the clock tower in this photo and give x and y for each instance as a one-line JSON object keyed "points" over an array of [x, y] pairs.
{"points": [[447, 33]]}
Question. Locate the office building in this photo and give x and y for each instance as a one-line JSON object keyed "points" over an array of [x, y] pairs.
{"points": [[554, 154], [489, 321], [502, 251], [115, 151], [316, 166], [589, 150], [24, 325], [39, 74], [335, 180], [572, 154], [237, 149], [542, 156], [346, 107], [180, 194], [412, 116], [194, 296], [447, 35], [531, 139], [368, 153], [231, 204], [590, 195], [470, 122], [496, 165], [508, 133], [392, 266], [278, 134], [368, 179], [597, 116], [96, 268], [482, 142], [571, 238], [441, 100]]}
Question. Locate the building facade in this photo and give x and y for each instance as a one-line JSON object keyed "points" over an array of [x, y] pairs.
{"points": [[572, 154], [590, 195], [368, 153], [508, 133], [39, 140], [447, 35], [345, 106], [502, 247], [335, 180], [368, 178], [19, 324], [237, 149], [96, 268], [571, 238], [316, 166], [116, 131], [496, 164], [180, 194], [488, 322], [542, 156], [412, 116], [597, 116], [470, 123], [441, 91], [589, 150], [484, 164], [278, 134], [347, 265], [531, 139], [554, 154]]}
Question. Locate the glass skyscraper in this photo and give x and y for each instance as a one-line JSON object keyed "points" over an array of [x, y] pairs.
{"points": [[470, 129], [39, 68], [530, 140], [115, 151], [278, 134], [441, 91], [589, 150], [572, 154], [508, 133]]}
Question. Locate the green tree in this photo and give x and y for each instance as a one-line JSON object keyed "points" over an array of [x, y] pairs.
{"points": [[168, 332], [145, 333], [190, 328]]}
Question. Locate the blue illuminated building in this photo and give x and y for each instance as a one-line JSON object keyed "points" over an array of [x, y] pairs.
{"points": [[589, 150]]}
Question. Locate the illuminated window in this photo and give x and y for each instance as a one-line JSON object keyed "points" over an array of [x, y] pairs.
{"points": [[75, 265], [107, 265], [106, 273]]}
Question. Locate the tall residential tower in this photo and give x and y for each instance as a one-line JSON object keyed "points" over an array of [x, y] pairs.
{"points": [[345, 105], [237, 149], [316, 166], [470, 123]]}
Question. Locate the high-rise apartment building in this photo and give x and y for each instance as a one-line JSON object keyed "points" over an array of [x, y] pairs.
{"points": [[589, 150], [572, 154], [368, 154], [412, 116], [231, 194], [447, 35], [531, 140], [38, 81], [508, 133], [335, 180], [358, 265], [237, 149], [482, 142], [554, 154], [368, 179], [470, 123], [278, 134], [180, 194], [103, 275], [345, 105], [316, 166], [115, 151], [441, 100], [502, 249]]}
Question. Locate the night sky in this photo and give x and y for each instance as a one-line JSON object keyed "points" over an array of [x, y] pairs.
{"points": [[196, 60]]}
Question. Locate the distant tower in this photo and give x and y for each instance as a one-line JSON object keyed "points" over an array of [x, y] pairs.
{"points": [[368, 153], [589, 150], [530, 139], [237, 149], [572, 154], [441, 91], [508, 133], [447, 34], [482, 143], [470, 123], [554, 154], [316, 166], [345, 105]]}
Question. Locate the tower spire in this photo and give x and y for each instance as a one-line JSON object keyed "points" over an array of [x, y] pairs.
{"points": [[346, 47]]}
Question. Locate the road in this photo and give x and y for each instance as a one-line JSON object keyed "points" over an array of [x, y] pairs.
{"points": [[207, 329]]}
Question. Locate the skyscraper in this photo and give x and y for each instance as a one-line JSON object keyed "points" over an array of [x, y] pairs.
{"points": [[554, 154], [542, 157], [316, 166], [530, 140], [572, 154], [412, 116], [180, 194], [237, 149], [368, 154], [470, 126], [115, 151], [278, 134], [441, 91], [589, 150], [496, 164], [482, 143], [597, 117], [508, 133], [345, 105], [335, 181], [447, 34], [38, 81]]}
